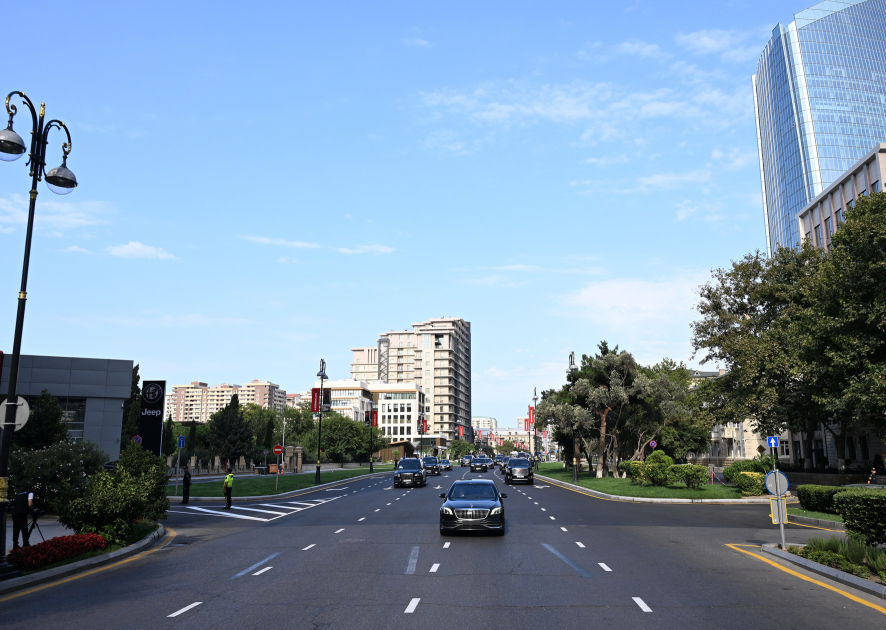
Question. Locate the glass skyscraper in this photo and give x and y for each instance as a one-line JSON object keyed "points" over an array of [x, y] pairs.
{"points": [[820, 101]]}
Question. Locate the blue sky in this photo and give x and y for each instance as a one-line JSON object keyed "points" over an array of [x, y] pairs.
{"points": [[265, 184]]}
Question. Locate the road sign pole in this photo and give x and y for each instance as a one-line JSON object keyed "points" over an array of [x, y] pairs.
{"points": [[177, 468]]}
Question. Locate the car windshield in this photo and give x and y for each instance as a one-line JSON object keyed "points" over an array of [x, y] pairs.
{"points": [[444, 461], [430, 460], [517, 463], [472, 491], [410, 464]]}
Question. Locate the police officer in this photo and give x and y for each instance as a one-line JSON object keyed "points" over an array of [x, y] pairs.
{"points": [[186, 484], [229, 486], [22, 505]]}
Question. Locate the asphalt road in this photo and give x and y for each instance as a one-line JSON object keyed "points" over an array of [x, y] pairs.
{"points": [[364, 555]]}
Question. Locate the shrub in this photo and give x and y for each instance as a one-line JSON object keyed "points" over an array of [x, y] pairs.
{"points": [[818, 498], [864, 514], [750, 483], [657, 468], [112, 504], [836, 561], [54, 473], [54, 550], [694, 476], [633, 469], [743, 465], [877, 559], [138, 462]]}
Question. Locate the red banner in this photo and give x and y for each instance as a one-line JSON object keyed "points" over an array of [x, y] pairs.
{"points": [[480, 434], [461, 431], [375, 418], [315, 400]]}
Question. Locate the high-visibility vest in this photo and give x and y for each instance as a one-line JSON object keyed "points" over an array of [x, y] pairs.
{"points": [[229, 480]]}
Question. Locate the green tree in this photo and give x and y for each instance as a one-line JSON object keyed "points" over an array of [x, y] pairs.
{"points": [[506, 447], [131, 409], [142, 464], [55, 474], [44, 427], [170, 437], [230, 435], [459, 448]]}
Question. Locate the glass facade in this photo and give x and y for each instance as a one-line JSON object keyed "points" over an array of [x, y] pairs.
{"points": [[820, 101]]}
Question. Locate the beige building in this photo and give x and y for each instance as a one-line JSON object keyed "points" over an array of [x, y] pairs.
{"points": [[484, 422], [197, 401], [435, 355], [824, 214], [350, 398]]}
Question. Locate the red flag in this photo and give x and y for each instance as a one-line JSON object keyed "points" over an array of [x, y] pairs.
{"points": [[461, 431], [375, 418], [315, 399]]}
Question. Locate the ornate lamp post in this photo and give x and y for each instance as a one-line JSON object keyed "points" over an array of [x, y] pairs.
{"points": [[322, 376], [61, 181]]}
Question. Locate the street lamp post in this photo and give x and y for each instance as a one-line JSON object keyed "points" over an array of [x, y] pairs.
{"points": [[532, 428], [570, 372], [322, 376], [59, 180]]}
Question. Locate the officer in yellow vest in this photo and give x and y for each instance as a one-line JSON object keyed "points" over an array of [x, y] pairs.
{"points": [[229, 486]]}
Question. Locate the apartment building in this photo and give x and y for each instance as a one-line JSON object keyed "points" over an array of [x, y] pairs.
{"points": [[435, 355], [296, 400], [401, 408], [484, 422], [350, 398], [197, 401]]}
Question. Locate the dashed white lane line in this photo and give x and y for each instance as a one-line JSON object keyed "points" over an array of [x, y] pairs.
{"points": [[446, 545], [388, 503], [263, 570], [339, 531], [552, 518], [397, 499], [378, 510], [361, 519], [564, 529], [579, 544], [187, 608], [255, 566], [434, 568], [309, 546], [413, 561], [412, 605], [639, 603], [543, 510], [605, 568], [536, 502]]}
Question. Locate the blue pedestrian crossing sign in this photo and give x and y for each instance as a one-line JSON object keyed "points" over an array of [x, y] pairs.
{"points": [[181, 441], [773, 441]]}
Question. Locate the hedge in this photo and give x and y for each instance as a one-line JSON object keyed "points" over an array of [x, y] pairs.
{"points": [[743, 465], [632, 469], [818, 498], [864, 514], [751, 484], [693, 475]]}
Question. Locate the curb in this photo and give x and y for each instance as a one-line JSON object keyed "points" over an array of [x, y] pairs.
{"points": [[818, 522], [618, 497], [848, 579], [293, 493], [15, 584]]}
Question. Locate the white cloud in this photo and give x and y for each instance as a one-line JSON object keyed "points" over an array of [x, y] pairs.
{"points": [[735, 159], [134, 249], [366, 249], [732, 45], [417, 43], [643, 49], [287, 260], [605, 160], [264, 240], [52, 217], [674, 180], [75, 249]]}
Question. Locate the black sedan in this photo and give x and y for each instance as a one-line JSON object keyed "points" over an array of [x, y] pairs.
{"points": [[473, 505], [445, 464], [432, 465], [479, 464], [518, 469], [410, 472]]}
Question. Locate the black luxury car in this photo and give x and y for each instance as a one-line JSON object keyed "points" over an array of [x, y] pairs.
{"points": [[445, 464], [480, 464], [432, 465], [504, 462], [410, 472], [498, 459], [466, 460], [473, 505], [518, 469]]}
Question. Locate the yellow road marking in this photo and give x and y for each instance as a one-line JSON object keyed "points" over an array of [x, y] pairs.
{"points": [[137, 556], [854, 598], [790, 522]]}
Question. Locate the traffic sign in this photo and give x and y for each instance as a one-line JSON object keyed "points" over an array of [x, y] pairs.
{"points": [[137, 439], [776, 483], [181, 441], [772, 441], [22, 413], [653, 444], [278, 450]]}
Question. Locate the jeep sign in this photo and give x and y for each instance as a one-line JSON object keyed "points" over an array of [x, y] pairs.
{"points": [[150, 420]]}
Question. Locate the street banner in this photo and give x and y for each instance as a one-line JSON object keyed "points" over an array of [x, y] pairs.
{"points": [[315, 400], [150, 419], [367, 418], [424, 426], [461, 431], [375, 418], [532, 416]]}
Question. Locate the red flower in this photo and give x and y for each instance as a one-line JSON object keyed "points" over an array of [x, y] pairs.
{"points": [[54, 550]]}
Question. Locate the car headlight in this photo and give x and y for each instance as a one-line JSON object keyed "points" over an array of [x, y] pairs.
{"points": [[448, 511], [495, 511]]}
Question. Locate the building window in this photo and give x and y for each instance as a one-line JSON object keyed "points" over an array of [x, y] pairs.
{"points": [[850, 205], [827, 229], [785, 449], [797, 448], [808, 236], [863, 447], [838, 215], [818, 240], [850, 447], [863, 193], [876, 186]]}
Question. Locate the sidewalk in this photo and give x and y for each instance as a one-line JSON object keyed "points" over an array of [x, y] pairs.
{"points": [[49, 525]]}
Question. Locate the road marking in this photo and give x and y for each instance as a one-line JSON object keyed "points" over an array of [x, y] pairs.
{"points": [[283, 507], [413, 560], [605, 568], [579, 544], [229, 514], [543, 510], [530, 498], [339, 531], [412, 605], [578, 569], [361, 519], [388, 503], [263, 570], [255, 566], [536, 502], [265, 511], [446, 545], [397, 499], [378, 510], [185, 609], [641, 604], [336, 489], [309, 546], [564, 529], [802, 577], [552, 518], [434, 568]]}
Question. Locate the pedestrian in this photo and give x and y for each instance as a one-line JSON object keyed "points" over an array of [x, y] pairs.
{"points": [[873, 478], [22, 505], [186, 484], [229, 486]]}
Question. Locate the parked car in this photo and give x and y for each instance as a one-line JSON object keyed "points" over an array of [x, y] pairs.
{"points": [[410, 472], [445, 464], [473, 505], [432, 465], [518, 469]]}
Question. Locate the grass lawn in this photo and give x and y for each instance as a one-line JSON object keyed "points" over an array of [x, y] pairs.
{"points": [[825, 516], [247, 485], [138, 532], [624, 487]]}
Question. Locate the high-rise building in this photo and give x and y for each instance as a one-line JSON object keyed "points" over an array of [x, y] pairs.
{"points": [[820, 102], [484, 422], [436, 355], [198, 401]]}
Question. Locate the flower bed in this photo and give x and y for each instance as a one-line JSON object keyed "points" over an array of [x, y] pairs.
{"points": [[54, 550]]}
